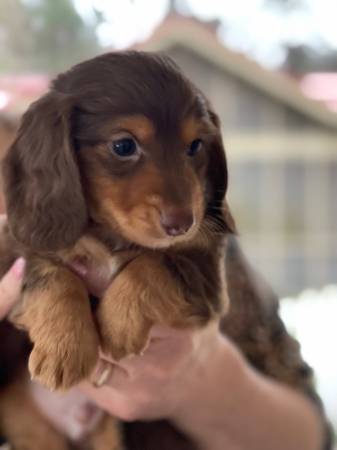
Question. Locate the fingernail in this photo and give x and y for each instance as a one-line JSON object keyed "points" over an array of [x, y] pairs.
{"points": [[101, 374], [18, 268], [103, 377]]}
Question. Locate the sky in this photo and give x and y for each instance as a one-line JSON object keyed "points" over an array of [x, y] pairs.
{"points": [[247, 24], [300, 316]]}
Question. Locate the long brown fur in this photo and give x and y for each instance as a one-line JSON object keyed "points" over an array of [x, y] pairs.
{"points": [[69, 197]]}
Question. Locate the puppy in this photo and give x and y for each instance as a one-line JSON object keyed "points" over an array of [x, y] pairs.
{"points": [[120, 164]]}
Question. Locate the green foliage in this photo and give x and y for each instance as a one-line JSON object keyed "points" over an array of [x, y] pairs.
{"points": [[302, 59], [44, 35]]}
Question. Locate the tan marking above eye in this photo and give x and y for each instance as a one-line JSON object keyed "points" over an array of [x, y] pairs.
{"points": [[191, 129], [138, 125]]}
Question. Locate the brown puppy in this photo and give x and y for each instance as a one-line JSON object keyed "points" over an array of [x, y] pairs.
{"points": [[120, 163]]}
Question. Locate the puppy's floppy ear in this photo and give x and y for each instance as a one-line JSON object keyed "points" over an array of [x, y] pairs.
{"points": [[217, 175], [45, 205]]}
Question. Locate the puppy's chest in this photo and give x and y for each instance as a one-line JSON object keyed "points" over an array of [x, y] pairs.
{"points": [[199, 271]]}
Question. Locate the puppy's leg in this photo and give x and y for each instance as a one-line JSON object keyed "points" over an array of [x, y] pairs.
{"points": [[142, 294], [108, 435], [55, 310], [23, 425]]}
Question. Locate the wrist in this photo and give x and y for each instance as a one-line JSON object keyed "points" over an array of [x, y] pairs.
{"points": [[210, 393], [227, 396]]}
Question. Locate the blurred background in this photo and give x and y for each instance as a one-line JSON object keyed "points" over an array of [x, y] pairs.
{"points": [[270, 69]]}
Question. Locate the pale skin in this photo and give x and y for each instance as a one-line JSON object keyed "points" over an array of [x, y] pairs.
{"points": [[200, 381]]}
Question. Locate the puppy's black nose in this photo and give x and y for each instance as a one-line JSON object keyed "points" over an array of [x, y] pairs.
{"points": [[176, 221]]}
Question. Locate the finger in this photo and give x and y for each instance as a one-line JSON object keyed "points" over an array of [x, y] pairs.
{"points": [[101, 373], [162, 332], [158, 336], [107, 374], [95, 280], [10, 286], [106, 397]]}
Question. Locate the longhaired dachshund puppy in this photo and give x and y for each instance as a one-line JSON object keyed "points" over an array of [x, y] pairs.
{"points": [[120, 163], [121, 166]]}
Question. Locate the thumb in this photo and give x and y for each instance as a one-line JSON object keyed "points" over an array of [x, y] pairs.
{"points": [[10, 286]]}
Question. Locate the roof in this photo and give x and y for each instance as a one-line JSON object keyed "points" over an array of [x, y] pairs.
{"points": [[201, 40], [321, 87], [18, 91]]}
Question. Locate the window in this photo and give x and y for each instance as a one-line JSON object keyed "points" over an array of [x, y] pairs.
{"points": [[246, 192], [332, 270], [295, 273], [332, 186], [295, 197]]}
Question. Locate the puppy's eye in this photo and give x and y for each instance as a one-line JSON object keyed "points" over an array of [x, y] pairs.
{"points": [[195, 147], [125, 148]]}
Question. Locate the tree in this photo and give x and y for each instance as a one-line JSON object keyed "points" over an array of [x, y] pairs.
{"points": [[302, 59], [14, 39], [45, 35]]}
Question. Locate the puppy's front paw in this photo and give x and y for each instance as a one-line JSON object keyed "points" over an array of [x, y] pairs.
{"points": [[124, 329], [123, 338], [62, 363]]}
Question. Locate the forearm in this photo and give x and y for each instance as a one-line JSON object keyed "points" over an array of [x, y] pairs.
{"points": [[229, 405]]}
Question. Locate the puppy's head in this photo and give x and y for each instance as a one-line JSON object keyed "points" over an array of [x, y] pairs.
{"points": [[123, 140]]}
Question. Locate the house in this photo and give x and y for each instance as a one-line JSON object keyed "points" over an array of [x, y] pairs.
{"points": [[18, 91], [282, 153], [321, 86]]}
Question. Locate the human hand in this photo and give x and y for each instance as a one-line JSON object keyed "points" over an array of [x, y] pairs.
{"points": [[151, 385], [196, 378], [10, 287], [144, 386], [156, 384]]}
